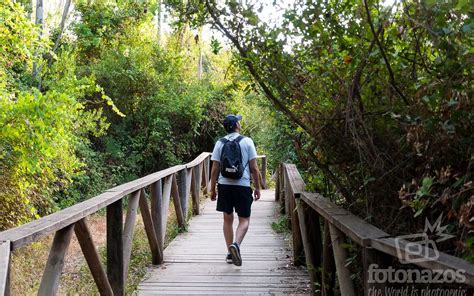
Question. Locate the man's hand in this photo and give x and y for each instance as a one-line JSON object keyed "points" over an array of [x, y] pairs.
{"points": [[256, 193], [213, 195]]}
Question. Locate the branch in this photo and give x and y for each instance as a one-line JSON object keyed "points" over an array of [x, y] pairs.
{"points": [[268, 92], [387, 63]]}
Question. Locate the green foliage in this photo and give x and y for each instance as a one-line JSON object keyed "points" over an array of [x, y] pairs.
{"points": [[40, 129], [281, 225]]}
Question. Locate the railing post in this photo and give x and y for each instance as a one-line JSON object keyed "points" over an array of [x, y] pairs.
{"points": [[371, 256], [340, 257], [177, 203], [84, 238], [281, 189], [115, 247], [311, 237], [195, 190], [54, 265], [264, 172], [128, 230], [206, 174], [5, 259], [156, 253], [329, 267], [277, 184], [156, 209]]}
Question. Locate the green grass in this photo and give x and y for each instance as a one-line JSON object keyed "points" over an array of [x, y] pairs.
{"points": [[281, 225]]}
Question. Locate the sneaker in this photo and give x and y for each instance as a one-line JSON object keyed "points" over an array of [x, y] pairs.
{"points": [[235, 251], [228, 258]]}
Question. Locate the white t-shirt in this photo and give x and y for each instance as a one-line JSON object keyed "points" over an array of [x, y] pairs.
{"points": [[247, 148]]}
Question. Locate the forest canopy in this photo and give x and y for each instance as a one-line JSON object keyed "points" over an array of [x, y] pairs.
{"points": [[380, 93]]}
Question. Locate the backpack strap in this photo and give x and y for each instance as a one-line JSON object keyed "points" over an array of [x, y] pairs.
{"points": [[237, 140]]}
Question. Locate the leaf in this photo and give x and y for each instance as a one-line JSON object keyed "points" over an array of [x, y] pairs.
{"points": [[418, 213]]}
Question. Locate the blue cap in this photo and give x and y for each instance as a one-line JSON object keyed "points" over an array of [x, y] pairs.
{"points": [[230, 121]]}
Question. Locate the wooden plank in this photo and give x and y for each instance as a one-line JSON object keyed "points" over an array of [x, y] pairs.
{"points": [[194, 261], [35, 230], [177, 203], [340, 257], [115, 268], [128, 229], [54, 265], [444, 261], [195, 190], [311, 236], [86, 242], [138, 184], [294, 185], [156, 252], [295, 181], [156, 209], [5, 260], [198, 160], [357, 229]]}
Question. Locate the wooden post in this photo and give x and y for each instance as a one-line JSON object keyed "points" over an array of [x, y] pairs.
{"points": [[156, 209], [311, 237], [5, 259], [115, 247], [287, 195], [128, 229], [340, 256], [177, 203], [277, 185], [298, 249], [54, 265], [282, 192], [264, 172], [84, 238], [329, 267], [206, 173], [156, 252], [165, 205], [195, 190], [184, 186], [378, 260]]}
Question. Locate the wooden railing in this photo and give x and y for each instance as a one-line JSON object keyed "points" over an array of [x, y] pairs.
{"points": [[179, 183], [320, 229]]}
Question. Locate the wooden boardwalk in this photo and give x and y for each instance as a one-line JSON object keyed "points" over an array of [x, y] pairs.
{"points": [[194, 262]]}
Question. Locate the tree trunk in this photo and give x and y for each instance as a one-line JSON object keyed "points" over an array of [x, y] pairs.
{"points": [[39, 15]]}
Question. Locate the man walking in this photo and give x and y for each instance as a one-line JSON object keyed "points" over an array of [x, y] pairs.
{"points": [[234, 160]]}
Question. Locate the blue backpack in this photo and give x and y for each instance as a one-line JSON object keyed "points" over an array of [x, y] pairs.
{"points": [[231, 158]]}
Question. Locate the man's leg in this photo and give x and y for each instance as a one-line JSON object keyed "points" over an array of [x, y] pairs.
{"points": [[228, 229], [242, 229]]}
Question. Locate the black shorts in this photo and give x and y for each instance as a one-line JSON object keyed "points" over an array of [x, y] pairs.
{"points": [[234, 196]]}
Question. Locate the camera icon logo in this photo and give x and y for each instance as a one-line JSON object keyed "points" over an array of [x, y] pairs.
{"points": [[419, 247], [415, 248]]}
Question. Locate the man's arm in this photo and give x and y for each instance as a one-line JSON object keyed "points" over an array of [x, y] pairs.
{"points": [[255, 176], [214, 176]]}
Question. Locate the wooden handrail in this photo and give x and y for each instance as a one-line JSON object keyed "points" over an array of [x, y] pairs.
{"points": [[180, 182], [375, 243]]}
